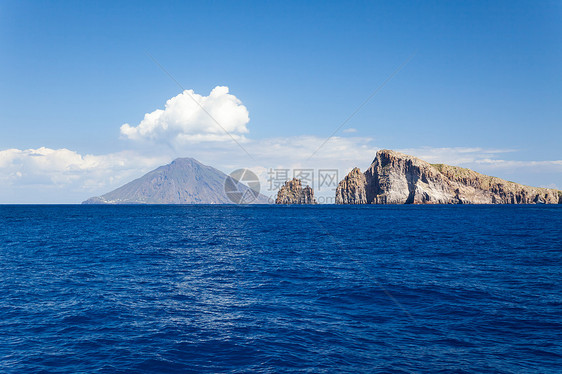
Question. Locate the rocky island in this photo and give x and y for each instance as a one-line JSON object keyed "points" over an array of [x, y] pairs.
{"points": [[292, 192], [396, 178]]}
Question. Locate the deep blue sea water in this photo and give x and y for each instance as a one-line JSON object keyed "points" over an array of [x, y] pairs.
{"points": [[321, 289]]}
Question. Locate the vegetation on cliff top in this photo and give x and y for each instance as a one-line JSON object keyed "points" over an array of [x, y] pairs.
{"points": [[484, 181]]}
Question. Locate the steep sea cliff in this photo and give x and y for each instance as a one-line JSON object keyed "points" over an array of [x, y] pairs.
{"points": [[396, 178]]}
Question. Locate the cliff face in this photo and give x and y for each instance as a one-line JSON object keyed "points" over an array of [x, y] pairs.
{"points": [[396, 178], [292, 192], [351, 189]]}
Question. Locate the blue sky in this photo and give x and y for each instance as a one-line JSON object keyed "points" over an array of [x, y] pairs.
{"points": [[482, 90]]}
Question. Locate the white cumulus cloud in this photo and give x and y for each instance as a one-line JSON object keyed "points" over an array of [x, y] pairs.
{"points": [[190, 117]]}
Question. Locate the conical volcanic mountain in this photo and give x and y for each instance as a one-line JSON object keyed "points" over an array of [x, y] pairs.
{"points": [[183, 181]]}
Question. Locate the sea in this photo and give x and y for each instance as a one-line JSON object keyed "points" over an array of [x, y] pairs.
{"points": [[281, 289]]}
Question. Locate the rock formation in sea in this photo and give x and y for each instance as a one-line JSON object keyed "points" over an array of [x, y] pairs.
{"points": [[396, 178], [292, 192], [351, 190], [184, 181]]}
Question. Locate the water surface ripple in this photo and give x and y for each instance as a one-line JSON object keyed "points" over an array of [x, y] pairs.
{"points": [[322, 289]]}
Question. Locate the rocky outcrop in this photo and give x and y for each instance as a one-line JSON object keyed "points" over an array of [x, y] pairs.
{"points": [[292, 192], [351, 189], [396, 178]]}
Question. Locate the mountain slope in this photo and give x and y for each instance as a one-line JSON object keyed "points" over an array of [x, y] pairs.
{"points": [[184, 181], [396, 178]]}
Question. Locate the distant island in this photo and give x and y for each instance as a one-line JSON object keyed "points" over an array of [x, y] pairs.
{"points": [[183, 181], [392, 178]]}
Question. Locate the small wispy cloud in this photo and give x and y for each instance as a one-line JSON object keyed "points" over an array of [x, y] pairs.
{"points": [[454, 155], [550, 185], [515, 163], [350, 130]]}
